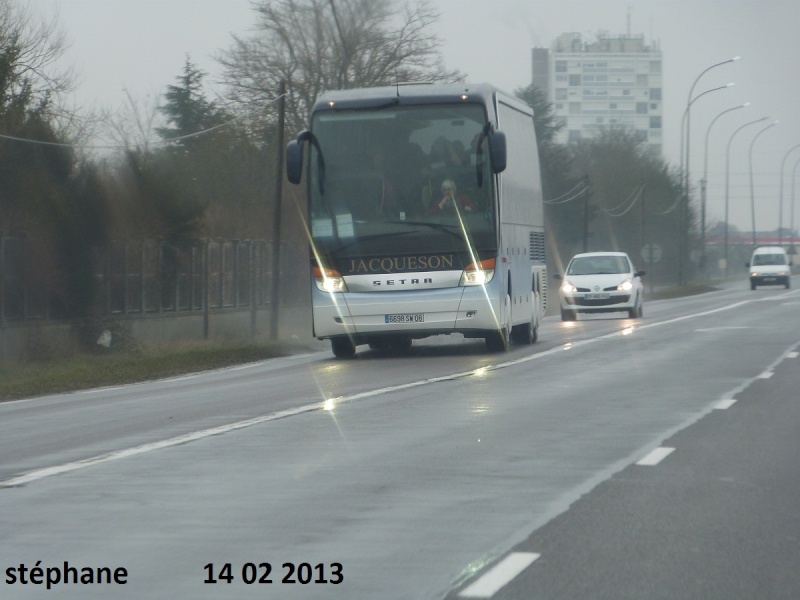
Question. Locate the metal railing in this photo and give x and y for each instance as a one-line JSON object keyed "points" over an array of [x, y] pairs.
{"points": [[142, 277]]}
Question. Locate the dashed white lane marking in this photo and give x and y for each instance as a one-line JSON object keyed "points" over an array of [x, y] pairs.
{"points": [[499, 575], [655, 457], [765, 375], [792, 354], [725, 404]]}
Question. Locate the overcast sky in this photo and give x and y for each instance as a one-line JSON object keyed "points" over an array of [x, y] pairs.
{"points": [[141, 45]]}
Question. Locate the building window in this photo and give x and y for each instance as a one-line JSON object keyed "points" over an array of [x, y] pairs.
{"points": [[641, 136], [574, 80], [653, 106], [561, 66], [655, 93], [655, 122], [561, 93], [655, 66], [642, 81], [641, 108], [574, 108], [612, 106], [574, 135]]}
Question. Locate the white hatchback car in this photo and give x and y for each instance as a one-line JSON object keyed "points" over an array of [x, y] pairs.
{"points": [[600, 282]]}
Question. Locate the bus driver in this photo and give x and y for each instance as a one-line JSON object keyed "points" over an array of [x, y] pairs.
{"points": [[448, 200]]}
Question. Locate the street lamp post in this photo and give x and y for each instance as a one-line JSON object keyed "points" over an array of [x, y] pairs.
{"points": [[752, 193], [727, 182], [791, 226], [687, 118], [704, 183], [780, 205], [685, 183]]}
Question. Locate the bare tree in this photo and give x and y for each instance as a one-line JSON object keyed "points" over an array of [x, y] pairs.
{"points": [[29, 51], [318, 45], [135, 125]]}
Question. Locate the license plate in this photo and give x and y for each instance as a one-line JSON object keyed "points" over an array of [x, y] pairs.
{"points": [[415, 318], [597, 296]]}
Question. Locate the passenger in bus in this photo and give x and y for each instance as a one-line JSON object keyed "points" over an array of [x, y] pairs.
{"points": [[450, 200], [445, 154]]}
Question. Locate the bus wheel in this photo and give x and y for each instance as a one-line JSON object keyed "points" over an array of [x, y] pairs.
{"points": [[343, 347], [497, 341], [527, 333]]}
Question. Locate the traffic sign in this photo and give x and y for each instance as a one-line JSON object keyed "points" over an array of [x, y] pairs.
{"points": [[651, 253]]}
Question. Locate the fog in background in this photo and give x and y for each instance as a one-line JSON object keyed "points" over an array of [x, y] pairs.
{"points": [[136, 48]]}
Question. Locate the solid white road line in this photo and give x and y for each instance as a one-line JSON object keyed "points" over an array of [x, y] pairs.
{"points": [[499, 575], [655, 457], [725, 404], [765, 375]]}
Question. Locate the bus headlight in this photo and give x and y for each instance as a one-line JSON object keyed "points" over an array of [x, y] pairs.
{"points": [[479, 273], [329, 280]]}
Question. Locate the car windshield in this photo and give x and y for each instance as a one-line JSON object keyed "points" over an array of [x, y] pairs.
{"points": [[769, 259], [598, 265]]}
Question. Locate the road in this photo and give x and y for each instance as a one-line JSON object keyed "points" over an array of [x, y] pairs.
{"points": [[431, 475]]}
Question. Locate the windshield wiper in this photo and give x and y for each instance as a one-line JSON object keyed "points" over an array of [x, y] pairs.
{"points": [[370, 237], [451, 229]]}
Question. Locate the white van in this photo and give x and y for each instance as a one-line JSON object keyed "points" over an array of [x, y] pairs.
{"points": [[770, 266]]}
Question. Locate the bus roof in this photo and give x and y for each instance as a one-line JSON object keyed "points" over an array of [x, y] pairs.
{"points": [[410, 94]]}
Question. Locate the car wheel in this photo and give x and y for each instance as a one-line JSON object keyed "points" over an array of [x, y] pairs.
{"points": [[636, 311], [568, 315], [343, 347], [752, 286]]}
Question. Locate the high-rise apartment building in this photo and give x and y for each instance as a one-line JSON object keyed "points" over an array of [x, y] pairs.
{"points": [[612, 81]]}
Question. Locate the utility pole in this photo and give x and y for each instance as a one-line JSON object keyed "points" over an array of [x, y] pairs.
{"points": [[275, 297], [586, 215]]}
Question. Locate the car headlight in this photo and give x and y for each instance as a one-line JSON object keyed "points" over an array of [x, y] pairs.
{"points": [[568, 288], [329, 280], [479, 273], [625, 286]]}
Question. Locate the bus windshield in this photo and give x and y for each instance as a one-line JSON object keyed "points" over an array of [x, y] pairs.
{"points": [[401, 179]]}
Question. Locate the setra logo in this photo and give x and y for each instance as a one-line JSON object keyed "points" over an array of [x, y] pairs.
{"points": [[411, 281]]}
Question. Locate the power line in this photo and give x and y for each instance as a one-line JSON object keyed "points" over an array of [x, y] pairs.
{"points": [[122, 146]]}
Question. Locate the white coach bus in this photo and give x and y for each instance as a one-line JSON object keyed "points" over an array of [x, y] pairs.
{"points": [[425, 216]]}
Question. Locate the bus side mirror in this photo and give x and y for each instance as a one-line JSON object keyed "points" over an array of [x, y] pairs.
{"points": [[497, 151], [294, 161]]}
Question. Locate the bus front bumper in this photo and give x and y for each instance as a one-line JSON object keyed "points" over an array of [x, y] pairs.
{"points": [[472, 311]]}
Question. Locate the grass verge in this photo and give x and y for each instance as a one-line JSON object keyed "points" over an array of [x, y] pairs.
{"points": [[86, 371], [678, 291]]}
